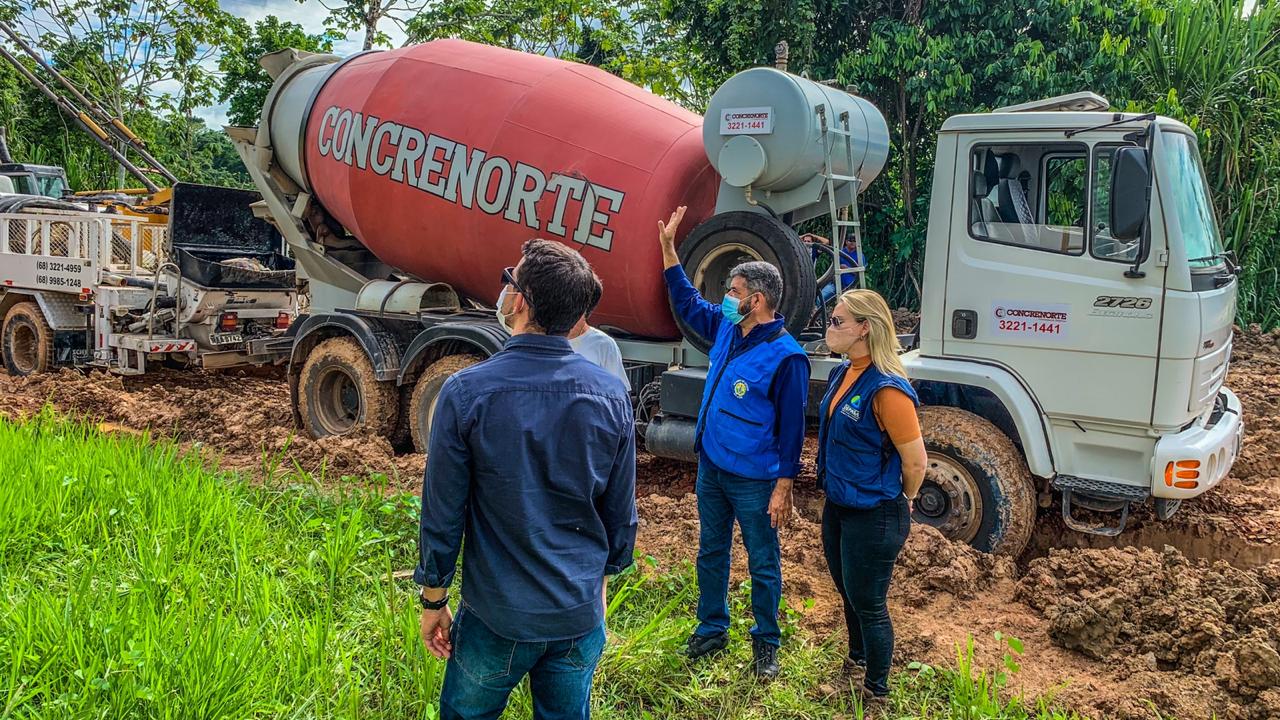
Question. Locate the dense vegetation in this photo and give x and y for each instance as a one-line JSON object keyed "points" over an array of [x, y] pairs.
{"points": [[1215, 64]]}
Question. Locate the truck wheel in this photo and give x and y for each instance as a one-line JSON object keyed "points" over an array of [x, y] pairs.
{"points": [[713, 248], [422, 404], [400, 437], [338, 393], [27, 340], [977, 488]]}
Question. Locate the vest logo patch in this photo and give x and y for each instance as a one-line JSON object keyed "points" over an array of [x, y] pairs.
{"points": [[739, 389], [853, 408]]}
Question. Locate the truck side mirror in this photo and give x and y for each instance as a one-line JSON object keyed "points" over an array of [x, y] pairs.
{"points": [[1130, 192]]}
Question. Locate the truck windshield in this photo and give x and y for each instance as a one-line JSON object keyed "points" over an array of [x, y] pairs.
{"points": [[1183, 174], [51, 186]]}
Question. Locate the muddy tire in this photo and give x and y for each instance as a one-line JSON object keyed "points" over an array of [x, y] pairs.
{"points": [[26, 340], [338, 393], [422, 403], [977, 488], [401, 437]]}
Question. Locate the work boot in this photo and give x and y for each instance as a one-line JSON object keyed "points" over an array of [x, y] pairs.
{"points": [[853, 670], [703, 645], [874, 707], [764, 663]]}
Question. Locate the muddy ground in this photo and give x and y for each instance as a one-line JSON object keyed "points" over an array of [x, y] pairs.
{"points": [[1182, 615]]}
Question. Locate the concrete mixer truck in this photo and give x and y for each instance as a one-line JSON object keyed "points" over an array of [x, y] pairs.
{"points": [[1077, 304]]}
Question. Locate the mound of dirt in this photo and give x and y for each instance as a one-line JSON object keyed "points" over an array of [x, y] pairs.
{"points": [[1168, 612], [1255, 378], [930, 563], [905, 320], [240, 417]]}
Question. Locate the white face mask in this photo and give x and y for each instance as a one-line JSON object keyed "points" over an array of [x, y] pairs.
{"points": [[502, 319]]}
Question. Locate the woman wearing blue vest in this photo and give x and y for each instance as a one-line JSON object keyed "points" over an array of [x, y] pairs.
{"points": [[871, 461]]}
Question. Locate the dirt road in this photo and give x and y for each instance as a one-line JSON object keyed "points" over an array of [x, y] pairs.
{"points": [[1108, 626]]}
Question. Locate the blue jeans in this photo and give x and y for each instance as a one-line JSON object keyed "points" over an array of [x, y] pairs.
{"points": [[722, 498], [861, 547], [484, 668]]}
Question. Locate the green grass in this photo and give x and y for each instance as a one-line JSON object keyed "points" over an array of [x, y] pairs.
{"points": [[138, 582]]}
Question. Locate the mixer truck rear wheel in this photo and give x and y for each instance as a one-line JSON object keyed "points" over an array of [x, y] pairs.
{"points": [[977, 488], [26, 340], [339, 394], [422, 404], [713, 248]]}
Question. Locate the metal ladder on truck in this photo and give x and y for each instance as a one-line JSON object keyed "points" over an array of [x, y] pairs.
{"points": [[844, 218]]}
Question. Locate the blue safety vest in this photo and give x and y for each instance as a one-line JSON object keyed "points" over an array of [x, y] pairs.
{"points": [[736, 421], [858, 466]]}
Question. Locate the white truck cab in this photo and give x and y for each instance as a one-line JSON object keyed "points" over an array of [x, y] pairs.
{"points": [[1104, 348]]}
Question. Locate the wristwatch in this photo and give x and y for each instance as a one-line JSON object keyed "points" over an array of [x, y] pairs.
{"points": [[433, 604]]}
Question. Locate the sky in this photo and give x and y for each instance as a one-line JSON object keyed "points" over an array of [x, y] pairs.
{"points": [[309, 14]]}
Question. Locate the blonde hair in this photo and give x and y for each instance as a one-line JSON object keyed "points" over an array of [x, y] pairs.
{"points": [[882, 341]]}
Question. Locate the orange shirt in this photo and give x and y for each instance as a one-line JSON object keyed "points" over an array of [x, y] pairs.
{"points": [[895, 412]]}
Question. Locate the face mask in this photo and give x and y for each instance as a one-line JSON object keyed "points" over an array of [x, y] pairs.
{"points": [[732, 309], [502, 319]]}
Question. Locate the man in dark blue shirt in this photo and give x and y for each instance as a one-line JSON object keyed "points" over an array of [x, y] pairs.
{"points": [[750, 431], [532, 459]]}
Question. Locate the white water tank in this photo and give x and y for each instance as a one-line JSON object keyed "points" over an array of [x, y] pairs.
{"points": [[763, 129]]}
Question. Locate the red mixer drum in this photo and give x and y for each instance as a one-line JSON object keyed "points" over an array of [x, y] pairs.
{"points": [[444, 158]]}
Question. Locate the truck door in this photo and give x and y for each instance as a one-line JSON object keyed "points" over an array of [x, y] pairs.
{"points": [[1035, 283]]}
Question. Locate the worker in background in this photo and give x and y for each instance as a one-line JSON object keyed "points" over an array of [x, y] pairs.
{"points": [[749, 435], [871, 462], [533, 461], [596, 345]]}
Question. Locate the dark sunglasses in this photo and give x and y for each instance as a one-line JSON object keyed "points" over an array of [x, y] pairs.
{"points": [[509, 278], [836, 321]]}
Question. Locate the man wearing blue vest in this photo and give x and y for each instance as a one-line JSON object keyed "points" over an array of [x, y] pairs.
{"points": [[749, 435]]}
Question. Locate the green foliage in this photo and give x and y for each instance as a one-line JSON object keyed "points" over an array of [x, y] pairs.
{"points": [[1218, 70], [244, 82], [138, 582], [633, 39], [145, 63], [130, 54]]}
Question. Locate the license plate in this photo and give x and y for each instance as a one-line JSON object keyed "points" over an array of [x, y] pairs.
{"points": [[226, 338]]}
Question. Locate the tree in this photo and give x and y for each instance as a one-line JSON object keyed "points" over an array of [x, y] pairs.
{"points": [[1217, 68], [543, 27], [131, 57], [367, 15], [244, 82], [633, 39]]}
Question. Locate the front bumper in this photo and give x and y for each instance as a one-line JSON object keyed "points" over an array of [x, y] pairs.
{"points": [[1189, 463]]}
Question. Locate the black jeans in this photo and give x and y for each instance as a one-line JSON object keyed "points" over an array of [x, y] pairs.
{"points": [[861, 547]]}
